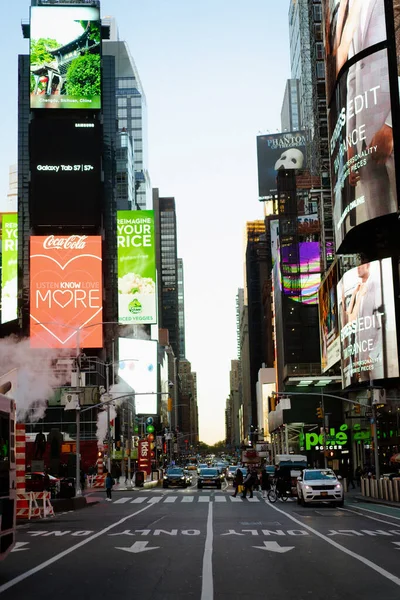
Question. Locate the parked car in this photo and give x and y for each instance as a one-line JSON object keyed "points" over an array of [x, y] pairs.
{"points": [[36, 482], [209, 477], [318, 485], [175, 477]]}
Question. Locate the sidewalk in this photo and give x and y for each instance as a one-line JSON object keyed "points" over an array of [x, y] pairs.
{"points": [[355, 496]]}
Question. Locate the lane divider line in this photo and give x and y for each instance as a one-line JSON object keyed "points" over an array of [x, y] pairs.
{"points": [[47, 563], [375, 512], [343, 549], [368, 517], [207, 583]]}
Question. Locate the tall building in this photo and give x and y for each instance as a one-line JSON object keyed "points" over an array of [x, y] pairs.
{"points": [[235, 402], [167, 267], [131, 110], [290, 112], [181, 309], [246, 412], [187, 409]]}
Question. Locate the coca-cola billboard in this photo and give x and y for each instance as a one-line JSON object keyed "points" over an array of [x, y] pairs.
{"points": [[66, 304]]}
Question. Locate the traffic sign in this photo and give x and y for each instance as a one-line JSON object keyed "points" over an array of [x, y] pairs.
{"points": [[149, 421]]}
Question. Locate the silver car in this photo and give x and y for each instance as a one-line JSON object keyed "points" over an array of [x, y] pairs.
{"points": [[319, 485]]}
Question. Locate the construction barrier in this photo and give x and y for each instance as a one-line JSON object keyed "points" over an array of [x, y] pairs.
{"points": [[99, 481], [34, 505], [20, 450]]}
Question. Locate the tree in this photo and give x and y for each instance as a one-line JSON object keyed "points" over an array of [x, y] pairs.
{"points": [[83, 76], [39, 50]]}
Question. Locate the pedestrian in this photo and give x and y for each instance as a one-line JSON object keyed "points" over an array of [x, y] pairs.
{"points": [[109, 486], [350, 478], [358, 476], [265, 483], [256, 481], [238, 483], [82, 478], [248, 484]]}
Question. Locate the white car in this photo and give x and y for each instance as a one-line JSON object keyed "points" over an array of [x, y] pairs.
{"points": [[318, 485]]}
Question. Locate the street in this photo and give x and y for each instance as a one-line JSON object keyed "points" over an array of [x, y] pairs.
{"points": [[171, 544]]}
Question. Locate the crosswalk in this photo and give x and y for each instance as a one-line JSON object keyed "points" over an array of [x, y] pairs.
{"points": [[167, 499]]}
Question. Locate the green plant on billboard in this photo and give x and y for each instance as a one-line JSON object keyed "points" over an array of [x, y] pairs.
{"points": [[83, 76], [135, 306]]}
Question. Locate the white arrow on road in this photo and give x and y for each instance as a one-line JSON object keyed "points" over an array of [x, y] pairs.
{"points": [[274, 547], [19, 547], [397, 544], [138, 547]]}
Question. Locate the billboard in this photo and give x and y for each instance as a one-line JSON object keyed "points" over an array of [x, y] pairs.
{"points": [[65, 61], [328, 320], [278, 151], [65, 164], [9, 267], [367, 323], [138, 368], [66, 292], [137, 294], [361, 145], [350, 28]]}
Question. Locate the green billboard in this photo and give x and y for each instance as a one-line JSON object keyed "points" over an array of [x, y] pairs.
{"points": [[137, 294], [9, 264]]}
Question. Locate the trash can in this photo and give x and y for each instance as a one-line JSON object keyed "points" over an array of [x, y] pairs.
{"points": [[139, 478], [67, 487]]}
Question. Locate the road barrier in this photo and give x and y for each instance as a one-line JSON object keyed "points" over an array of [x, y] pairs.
{"points": [[382, 489], [34, 505]]}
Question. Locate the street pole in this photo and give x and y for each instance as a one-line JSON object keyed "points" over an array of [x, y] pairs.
{"points": [[78, 490], [375, 437], [129, 484], [108, 419], [324, 422], [286, 439]]}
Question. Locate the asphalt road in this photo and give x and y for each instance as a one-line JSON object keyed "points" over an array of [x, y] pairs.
{"points": [[175, 544]]}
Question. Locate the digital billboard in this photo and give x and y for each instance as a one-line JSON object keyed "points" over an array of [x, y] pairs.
{"points": [[361, 145], [275, 152], [138, 368], [65, 61], [351, 26], [9, 266], [66, 291], [367, 323], [65, 163], [328, 320], [137, 299]]}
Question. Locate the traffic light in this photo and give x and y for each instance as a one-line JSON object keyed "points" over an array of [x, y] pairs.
{"points": [[320, 412]]}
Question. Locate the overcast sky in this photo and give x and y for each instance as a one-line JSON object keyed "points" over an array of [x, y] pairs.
{"points": [[214, 74]]}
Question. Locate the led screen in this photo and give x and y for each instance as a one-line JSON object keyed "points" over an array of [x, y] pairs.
{"points": [[65, 61], [367, 323], [328, 321], [66, 301], [138, 368], [137, 300], [9, 267], [275, 152], [351, 26], [65, 163], [361, 145]]}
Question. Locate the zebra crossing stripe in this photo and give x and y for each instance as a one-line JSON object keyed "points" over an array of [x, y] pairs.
{"points": [[122, 500], [155, 499], [253, 499], [170, 499], [138, 500], [204, 498], [219, 499], [188, 499]]}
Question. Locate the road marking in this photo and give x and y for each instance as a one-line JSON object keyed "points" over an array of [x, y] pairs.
{"points": [[47, 563], [170, 499], [138, 500], [204, 499], [122, 500], [274, 547], [155, 499], [188, 499], [368, 517], [343, 549], [19, 547], [219, 499], [253, 499], [138, 547], [397, 544], [235, 499], [375, 512], [207, 583]]}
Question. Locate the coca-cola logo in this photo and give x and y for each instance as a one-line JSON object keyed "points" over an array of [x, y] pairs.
{"points": [[73, 242]]}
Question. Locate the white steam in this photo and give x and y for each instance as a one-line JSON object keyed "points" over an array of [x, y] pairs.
{"points": [[118, 392], [101, 432], [32, 375]]}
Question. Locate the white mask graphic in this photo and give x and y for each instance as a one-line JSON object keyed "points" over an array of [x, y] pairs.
{"points": [[290, 159]]}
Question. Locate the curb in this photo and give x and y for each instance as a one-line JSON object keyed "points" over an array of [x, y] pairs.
{"points": [[369, 500]]}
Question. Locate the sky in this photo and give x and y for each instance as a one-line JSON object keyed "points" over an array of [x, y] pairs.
{"points": [[214, 74]]}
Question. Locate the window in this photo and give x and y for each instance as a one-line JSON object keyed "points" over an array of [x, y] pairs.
{"points": [[122, 113], [122, 102], [122, 123], [320, 70]]}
